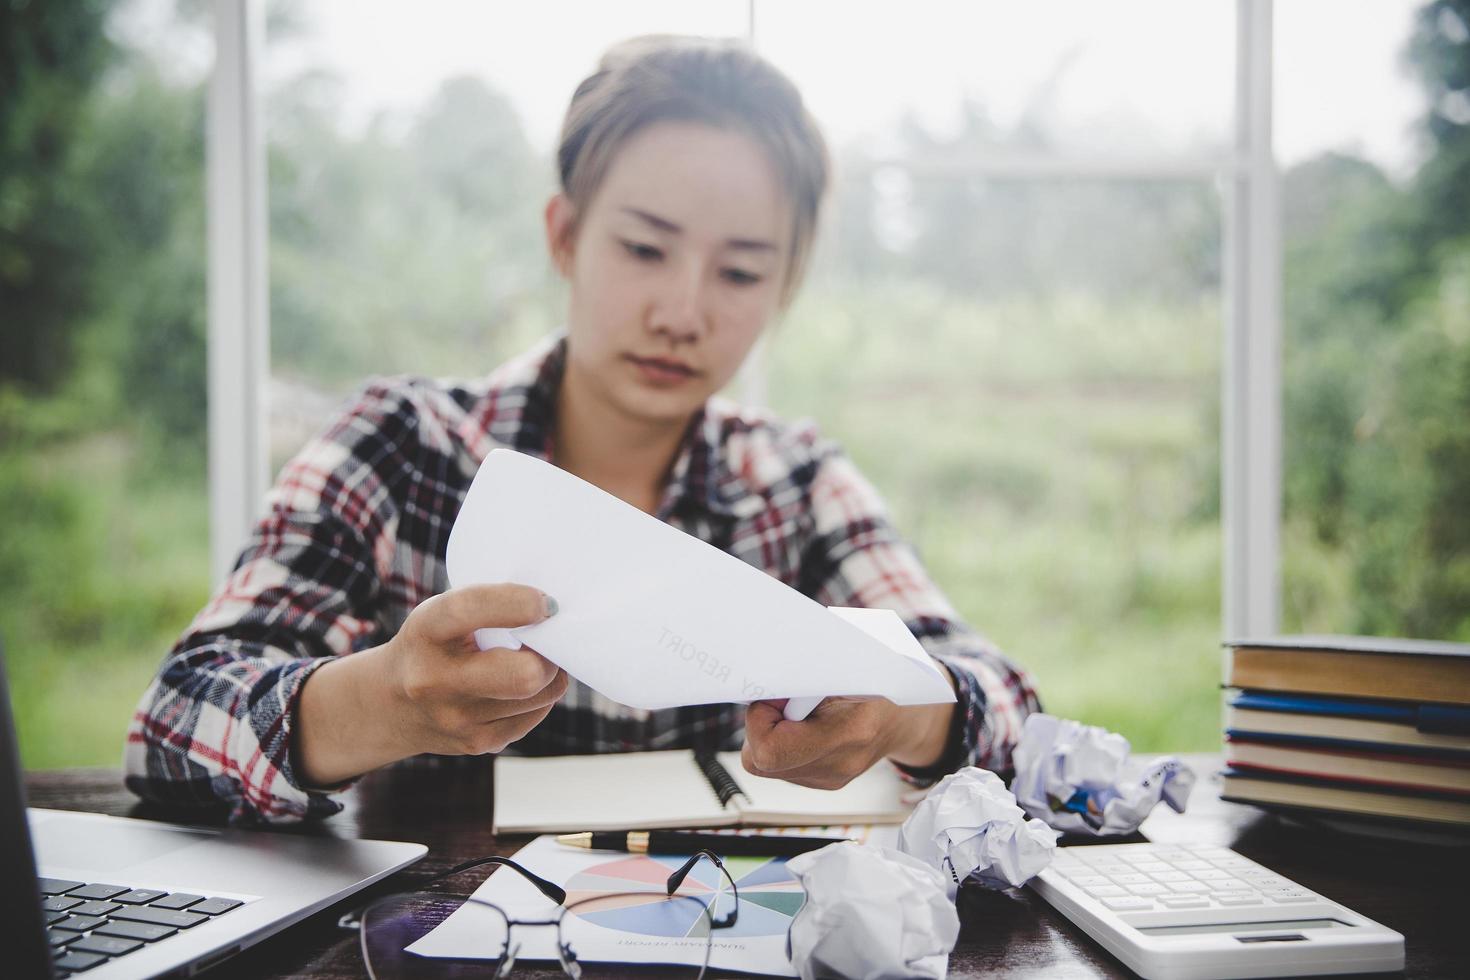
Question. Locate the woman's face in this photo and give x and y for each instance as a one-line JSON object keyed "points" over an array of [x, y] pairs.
{"points": [[675, 268]]}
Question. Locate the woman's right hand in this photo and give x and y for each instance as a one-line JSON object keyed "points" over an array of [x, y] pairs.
{"points": [[451, 697], [428, 689]]}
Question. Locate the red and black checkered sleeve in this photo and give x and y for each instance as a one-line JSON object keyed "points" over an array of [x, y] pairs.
{"points": [[857, 558], [215, 725]]}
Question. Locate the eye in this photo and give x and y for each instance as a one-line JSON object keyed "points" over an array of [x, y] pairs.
{"points": [[740, 277], [641, 252]]}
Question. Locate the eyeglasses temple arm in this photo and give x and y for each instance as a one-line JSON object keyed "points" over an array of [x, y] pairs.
{"points": [[551, 891]]}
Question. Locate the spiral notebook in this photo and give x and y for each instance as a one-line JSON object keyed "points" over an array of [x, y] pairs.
{"points": [[660, 790]]}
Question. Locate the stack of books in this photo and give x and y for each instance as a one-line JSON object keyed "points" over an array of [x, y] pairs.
{"points": [[1358, 727]]}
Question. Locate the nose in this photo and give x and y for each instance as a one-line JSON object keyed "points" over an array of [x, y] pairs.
{"points": [[678, 310]]}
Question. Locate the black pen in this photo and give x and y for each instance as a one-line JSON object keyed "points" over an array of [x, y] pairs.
{"points": [[685, 842]]}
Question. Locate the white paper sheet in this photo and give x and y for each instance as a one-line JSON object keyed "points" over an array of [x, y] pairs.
{"points": [[1078, 779], [755, 944], [970, 828], [871, 913], [653, 617]]}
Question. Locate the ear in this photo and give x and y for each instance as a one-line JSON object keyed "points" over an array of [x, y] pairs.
{"points": [[561, 232]]}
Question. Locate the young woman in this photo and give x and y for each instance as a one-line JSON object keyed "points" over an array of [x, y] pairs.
{"points": [[691, 180]]}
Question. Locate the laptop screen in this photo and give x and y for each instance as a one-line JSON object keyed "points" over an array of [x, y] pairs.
{"points": [[27, 953]]}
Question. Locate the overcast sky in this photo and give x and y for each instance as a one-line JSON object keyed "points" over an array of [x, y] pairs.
{"points": [[1126, 78]]}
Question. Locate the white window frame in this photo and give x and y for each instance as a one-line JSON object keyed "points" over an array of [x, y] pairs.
{"points": [[239, 315]]}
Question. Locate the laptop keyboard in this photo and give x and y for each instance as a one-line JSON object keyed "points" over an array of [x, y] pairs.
{"points": [[88, 925]]}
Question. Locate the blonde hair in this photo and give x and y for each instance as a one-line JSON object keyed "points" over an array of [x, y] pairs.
{"points": [[719, 82]]}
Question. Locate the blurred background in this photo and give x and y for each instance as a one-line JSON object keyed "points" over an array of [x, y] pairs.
{"points": [[1015, 323]]}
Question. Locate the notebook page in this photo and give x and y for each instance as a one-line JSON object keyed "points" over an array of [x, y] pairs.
{"points": [[618, 791], [874, 797]]}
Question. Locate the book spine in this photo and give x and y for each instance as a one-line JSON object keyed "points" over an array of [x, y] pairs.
{"points": [[724, 785]]}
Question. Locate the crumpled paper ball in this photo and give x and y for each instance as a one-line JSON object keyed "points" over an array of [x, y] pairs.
{"points": [[872, 913], [970, 828], [1074, 777]]}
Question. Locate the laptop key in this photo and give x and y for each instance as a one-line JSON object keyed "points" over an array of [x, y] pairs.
{"points": [[59, 903], [60, 937], [57, 886], [79, 923], [105, 945], [138, 896], [135, 930], [98, 891], [96, 908], [54, 917], [78, 961], [160, 917], [178, 900], [215, 906]]}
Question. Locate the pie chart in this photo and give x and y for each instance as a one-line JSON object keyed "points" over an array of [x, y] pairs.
{"points": [[628, 895]]}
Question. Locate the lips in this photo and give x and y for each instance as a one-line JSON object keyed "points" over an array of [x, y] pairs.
{"points": [[662, 370]]}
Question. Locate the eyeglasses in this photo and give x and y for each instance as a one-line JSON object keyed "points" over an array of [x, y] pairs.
{"points": [[667, 930]]}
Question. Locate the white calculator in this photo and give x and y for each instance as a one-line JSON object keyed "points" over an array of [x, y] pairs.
{"points": [[1172, 912]]}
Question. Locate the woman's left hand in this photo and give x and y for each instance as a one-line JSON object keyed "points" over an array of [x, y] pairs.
{"points": [[841, 739]]}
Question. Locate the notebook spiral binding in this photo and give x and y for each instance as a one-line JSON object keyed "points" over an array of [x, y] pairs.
{"points": [[719, 778]]}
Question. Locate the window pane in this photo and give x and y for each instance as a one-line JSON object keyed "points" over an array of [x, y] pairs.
{"points": [[1377, 319], [104, 553], [1127, 79], [410, 158], [1030, 375]]}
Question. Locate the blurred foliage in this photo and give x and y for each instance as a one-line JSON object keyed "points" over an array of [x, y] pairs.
{"points": [[51, 57], [1029, 371]]}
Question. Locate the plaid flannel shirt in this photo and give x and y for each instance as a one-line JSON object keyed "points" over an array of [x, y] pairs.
{"points": [[354, 538]]}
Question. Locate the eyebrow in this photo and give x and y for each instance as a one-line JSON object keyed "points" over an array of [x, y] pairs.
{"points": [[664, 224]]}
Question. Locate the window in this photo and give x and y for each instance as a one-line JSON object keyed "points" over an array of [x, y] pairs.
{"points": [[1377, 335], [1014, 325], [104, 556]]}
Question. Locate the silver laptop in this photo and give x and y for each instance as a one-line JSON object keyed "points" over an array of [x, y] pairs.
{"points": [[109, 897]]}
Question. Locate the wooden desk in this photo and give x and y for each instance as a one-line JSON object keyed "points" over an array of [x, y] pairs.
{"points": [[1418, 890]]}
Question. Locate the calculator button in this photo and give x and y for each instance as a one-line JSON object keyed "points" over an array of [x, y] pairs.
{"points": [[1112, 869], [1149, 867], [1131, 879], [1197, 887], [1238, 898], [1150, 888], [1170, 876], [1210, 874], [1127, 903], [1288, 895], [1106, 891], [1191, 865], [1088, 881], [1183, 901], [1230, 885]]}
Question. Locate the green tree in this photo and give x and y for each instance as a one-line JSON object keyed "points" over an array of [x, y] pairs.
{"points": [[51, 55]]}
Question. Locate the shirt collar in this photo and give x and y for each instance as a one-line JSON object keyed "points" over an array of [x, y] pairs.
{"points": [[700, 478]]}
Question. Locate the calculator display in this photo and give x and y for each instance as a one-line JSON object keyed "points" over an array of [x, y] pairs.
{"points": [[1209, 927]]}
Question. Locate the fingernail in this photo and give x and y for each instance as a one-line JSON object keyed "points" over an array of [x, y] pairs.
{"points": [[551, 606]]}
